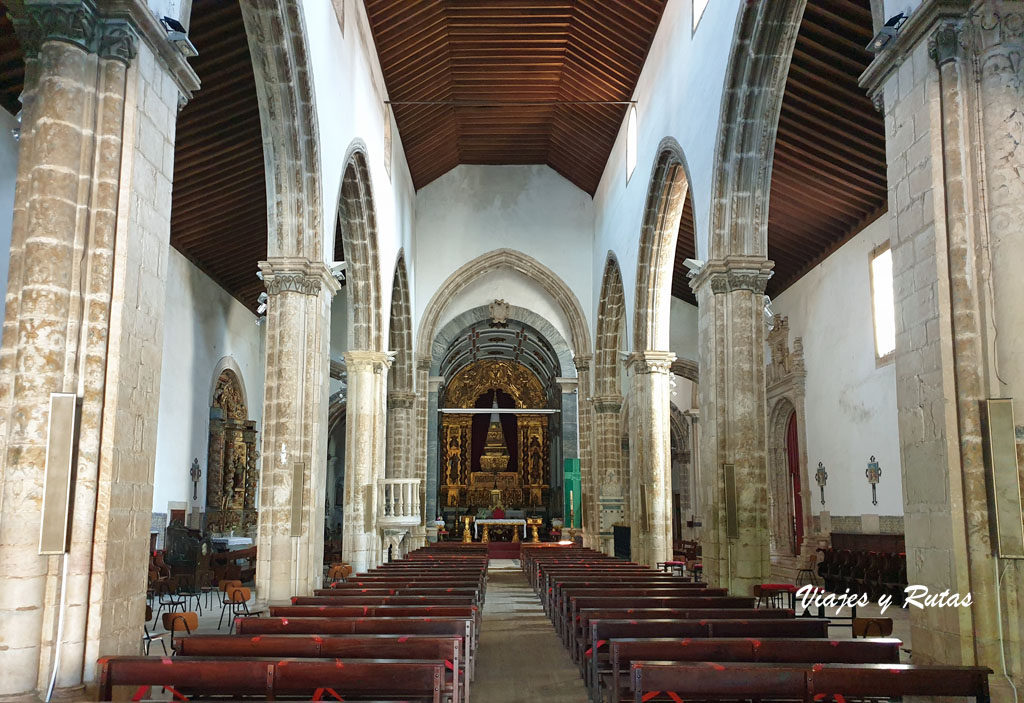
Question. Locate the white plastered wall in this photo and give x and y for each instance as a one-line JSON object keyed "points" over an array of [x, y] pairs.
{"points": [[350, 95], [472, 210], [683, 331], [202, 325], [850, 400], [678, 95]]}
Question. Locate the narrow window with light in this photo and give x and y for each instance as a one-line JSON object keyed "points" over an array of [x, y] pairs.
{"points": [[882, 303], [630, 142]]}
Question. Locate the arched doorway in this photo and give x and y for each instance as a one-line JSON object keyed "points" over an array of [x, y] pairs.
{"points": [[788, 494]]}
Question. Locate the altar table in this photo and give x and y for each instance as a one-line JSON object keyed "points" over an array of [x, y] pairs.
{"points": [[487, 522]]}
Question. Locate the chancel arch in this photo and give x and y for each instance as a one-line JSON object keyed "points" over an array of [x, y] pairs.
{"points": [[506, 357], [577, 350]]}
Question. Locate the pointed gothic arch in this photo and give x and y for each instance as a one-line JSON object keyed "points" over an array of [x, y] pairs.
{"points": [[284, 89], [666, 196], [357, 226], [762, 47], [400, 377], [611, 313], [499, 259]]}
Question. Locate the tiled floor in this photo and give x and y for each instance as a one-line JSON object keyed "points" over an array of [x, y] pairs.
{"points": [[520, 657]]}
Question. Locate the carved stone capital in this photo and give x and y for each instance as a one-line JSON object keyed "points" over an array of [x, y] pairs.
{"points": [[734, 273], [423, 365], [359, 360], [288, 274], [650, 362], [945, 43], [401, 400], [582, 362], [77, 23], [607, 404]]}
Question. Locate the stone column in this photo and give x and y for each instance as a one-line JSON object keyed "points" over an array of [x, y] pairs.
{"points": [[400, 440], [650, 456], [611, 483], [91, 220], [584, 449], [400, 460], [733, 421], [431, 436], [364, 461], [290, 548], [951, 88]]}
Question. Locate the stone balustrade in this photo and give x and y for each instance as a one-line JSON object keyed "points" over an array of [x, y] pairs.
{"points": [[398, 502]]}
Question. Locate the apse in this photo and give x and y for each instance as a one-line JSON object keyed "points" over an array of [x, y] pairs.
{"points": [[505, 414]]}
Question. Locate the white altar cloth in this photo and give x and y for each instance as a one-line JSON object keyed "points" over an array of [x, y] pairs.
{"points": [[499, 521]]}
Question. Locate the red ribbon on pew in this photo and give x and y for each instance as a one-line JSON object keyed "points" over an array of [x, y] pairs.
{"points": [[448, 665], [143, 690], [596, 646], [671, 694], [318, 695], [837, 697]]}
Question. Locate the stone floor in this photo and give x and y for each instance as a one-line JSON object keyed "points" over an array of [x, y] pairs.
{"points": [[520, 657]]}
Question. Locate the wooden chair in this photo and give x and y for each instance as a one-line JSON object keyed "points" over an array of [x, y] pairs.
{"points": [[224, 587], [872, 627], [238, 606], [148, 637], [180, 622], [339, 573], [167, 595]]}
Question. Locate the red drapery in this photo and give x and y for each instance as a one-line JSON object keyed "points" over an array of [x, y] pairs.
{"points": [[793, 459], [482, 421]]}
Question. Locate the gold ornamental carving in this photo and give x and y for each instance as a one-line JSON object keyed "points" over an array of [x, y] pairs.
{"points": [[495, 374], [231, 460]]}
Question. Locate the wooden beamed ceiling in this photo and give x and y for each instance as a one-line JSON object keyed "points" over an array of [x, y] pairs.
{"points": [[829, 169], [12, 64], [503, 81], [219, 199]]}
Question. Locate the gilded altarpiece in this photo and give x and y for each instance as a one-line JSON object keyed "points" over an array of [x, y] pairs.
{"points": [[524, 487], [231, 461]]}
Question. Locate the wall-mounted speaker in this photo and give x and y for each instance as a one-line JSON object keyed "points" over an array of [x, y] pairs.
{"points": [[298, 475], [60, 461], [732, 527]]}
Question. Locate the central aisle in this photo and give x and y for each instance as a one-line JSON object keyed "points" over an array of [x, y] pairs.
{"points": [[520, 657]]}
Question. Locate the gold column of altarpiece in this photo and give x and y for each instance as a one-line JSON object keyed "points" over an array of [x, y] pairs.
{"points": [[462, 487]]}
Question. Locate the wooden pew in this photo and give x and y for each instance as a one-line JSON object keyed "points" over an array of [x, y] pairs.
{"points": [[623, 652], [601, 631], [575, 603], [420, 647], [346, 589], [559, 585], [560, 602], [370, 611], [582, 624], [233, 678], [456, 627], [803, 682]]}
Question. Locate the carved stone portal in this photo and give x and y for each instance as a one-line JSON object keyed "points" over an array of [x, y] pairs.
{"points": [[231, 460]]}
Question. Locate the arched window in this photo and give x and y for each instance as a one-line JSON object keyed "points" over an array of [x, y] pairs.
{"points": [[630, 142]]}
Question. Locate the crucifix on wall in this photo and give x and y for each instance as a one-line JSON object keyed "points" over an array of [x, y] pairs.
{"points": [[196, 473]]}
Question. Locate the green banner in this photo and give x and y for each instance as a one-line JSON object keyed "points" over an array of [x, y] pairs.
{"points": [[572, 495]]}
